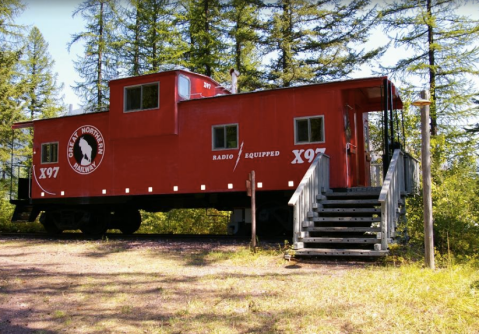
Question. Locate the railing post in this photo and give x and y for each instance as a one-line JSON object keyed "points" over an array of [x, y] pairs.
{"points": [[384, 229], [295, 225]]}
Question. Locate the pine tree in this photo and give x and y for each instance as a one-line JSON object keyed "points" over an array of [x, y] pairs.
{"points": [[12, 87], [317, 40], [100, 63], [36, 66], [11, 92], [9, 30], [152, 41], [442, 55], [244, 31], [204, 30]]}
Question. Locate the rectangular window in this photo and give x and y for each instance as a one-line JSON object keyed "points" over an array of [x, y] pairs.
{"points": [[225, 137], [309, 130], [49, 153], [142, 97], [184, 87]]}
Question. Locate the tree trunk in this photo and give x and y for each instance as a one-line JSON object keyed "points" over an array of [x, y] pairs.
{"points": [[206, 46], [100, 54], [136, 52], [432, 70]]}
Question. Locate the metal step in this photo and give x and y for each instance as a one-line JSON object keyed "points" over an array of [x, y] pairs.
{"points": [[24, 213], [341, 229], [339, 252], [328, 240]]}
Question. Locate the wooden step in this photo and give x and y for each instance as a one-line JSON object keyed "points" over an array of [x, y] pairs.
{"points": [[361, 189], [328, 240], [346, 219], [352, 194], [355, 202], [341, 229], [339, 252], [348, 211]]}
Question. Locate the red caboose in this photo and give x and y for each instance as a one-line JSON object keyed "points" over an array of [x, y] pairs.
{"points": [[178, 139]]}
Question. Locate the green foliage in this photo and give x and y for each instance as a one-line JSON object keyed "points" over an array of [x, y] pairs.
{"points": [[432, 31], [185, 221], [150, 40], [9, 31], [12, 88], [41, 98], [244, 24], [100, 62], [204, 29], [455, 211], [317, 40]]}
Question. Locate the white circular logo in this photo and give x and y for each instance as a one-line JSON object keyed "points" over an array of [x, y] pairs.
{"points": [[85, 149]]}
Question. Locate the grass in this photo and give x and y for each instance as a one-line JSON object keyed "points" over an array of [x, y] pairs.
{"points": [[123, 287]]}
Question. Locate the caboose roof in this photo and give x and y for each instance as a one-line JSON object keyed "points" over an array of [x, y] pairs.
{"points": [[371, 88]]}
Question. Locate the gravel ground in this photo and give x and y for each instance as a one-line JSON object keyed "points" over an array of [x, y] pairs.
{"points": [[84, 286]]}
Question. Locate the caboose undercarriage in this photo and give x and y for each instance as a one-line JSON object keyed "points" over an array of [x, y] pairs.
{"points": [[95, 215]]}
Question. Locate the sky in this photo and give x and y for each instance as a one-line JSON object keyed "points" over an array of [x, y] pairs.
{"points": [[55, 21]]}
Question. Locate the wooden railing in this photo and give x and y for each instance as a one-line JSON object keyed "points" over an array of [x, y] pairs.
{"points": [[315, 181], [394, 186], [411, 170]]}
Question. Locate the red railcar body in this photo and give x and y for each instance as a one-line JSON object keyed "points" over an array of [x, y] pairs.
{"points": [[195, 140]]}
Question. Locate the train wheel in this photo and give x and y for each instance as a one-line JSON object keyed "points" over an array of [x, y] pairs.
{"points": [[47, 219], [96, 225], [131, 221]]}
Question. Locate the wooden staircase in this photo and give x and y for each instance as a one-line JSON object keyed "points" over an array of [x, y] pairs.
{"points": [[353, 221], [343, 223]]}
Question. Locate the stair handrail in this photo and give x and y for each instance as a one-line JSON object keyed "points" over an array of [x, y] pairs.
{"points": [[314, 181], [393, 186]]}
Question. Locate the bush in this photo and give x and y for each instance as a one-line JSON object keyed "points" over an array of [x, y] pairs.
{"points": [[185, 221], [455, 212]]}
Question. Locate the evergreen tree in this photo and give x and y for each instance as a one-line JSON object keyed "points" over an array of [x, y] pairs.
{"points": [[11, 92], [152, 42], [9, 30], [100, 63], [11, 84], [244, 32], [317, 40], [204, 30], [442, 54], [36, 66]]}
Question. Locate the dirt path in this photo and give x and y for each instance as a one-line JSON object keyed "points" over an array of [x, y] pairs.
{"points": [[49, 286]]}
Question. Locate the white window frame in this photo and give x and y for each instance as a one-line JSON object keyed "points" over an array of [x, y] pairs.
{"points": [[141, 98], [296, 142], [41, 152], [224, 126], [181, 76]]}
